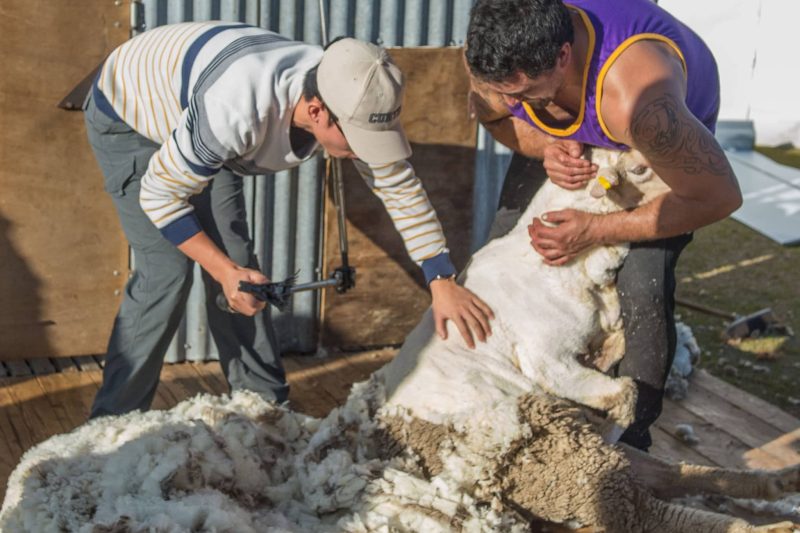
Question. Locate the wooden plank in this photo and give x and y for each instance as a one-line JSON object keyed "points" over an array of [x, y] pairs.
{"points": [[36, 421], [18, 368], [86, 362], [65, 364], [320, 384], [345, 370], [184, 381], [786, 448], [178, 382], [306, 393], [164, 397], [365, 363], [717, 445], [11, 427], [748, 428], [94, 375], [41, 366], [71, 395], [434, 76], [211, 373], [60, 242], [670, 448], [746, 401]]}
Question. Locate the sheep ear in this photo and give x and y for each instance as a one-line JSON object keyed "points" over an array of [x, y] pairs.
{"points": [[597, 191]]}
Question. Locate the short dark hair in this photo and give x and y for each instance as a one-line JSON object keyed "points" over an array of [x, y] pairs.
{"points": [[310, 87], [506, 36], [311, 90]]}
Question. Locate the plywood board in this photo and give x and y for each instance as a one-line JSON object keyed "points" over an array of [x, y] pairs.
{"points": [[62, 254], [390, 295], [435, 103]]}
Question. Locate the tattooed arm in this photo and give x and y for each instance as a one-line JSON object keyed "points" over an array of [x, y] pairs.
{"points": [[643, 106]]}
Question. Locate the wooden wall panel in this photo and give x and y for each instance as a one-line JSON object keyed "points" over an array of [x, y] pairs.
{"points": [[62, 254], [390, 294]]}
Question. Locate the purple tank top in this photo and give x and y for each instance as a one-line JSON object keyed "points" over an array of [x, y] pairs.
{"points": [[614, 25]]}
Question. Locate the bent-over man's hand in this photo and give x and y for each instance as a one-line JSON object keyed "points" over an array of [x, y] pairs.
{"points": [[242, 302], [470, 314], [563, 235], [564, 166]]}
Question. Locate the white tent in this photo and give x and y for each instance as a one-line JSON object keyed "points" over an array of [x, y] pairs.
{"points": [[757, 47]]}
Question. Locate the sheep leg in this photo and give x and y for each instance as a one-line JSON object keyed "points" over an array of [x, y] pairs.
{"points": [[657, 515], [668, 480], [565, 377]]}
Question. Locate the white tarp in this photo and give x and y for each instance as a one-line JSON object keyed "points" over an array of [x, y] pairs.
{"points": [[771, 196], [757, 47]]}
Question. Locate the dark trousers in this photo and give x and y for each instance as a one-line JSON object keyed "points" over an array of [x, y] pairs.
{"points": [[156, 294], [646, 286]]}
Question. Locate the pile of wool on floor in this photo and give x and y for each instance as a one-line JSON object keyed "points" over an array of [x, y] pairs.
{"points": [[236, 464], [243, 464]]}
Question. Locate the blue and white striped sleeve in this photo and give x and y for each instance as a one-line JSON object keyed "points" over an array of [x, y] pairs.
{"points": [[208, 134]]}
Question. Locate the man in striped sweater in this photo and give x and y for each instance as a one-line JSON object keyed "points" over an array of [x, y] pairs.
{"points": [[175, 117]]}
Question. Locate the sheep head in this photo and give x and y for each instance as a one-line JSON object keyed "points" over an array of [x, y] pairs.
{"points": [[624, 178]]}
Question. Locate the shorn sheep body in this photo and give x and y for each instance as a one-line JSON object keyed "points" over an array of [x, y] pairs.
{"points": [[442, 439], [557, 329]]}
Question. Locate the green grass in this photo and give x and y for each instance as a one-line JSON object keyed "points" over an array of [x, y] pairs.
{"points": [[730, 267]]}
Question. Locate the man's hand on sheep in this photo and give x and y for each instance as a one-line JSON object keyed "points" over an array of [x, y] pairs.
{"points": [[469, 313], [564, 165], [561, 235]]}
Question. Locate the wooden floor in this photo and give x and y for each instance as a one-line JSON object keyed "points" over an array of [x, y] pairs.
{"points": [[735, 429]]}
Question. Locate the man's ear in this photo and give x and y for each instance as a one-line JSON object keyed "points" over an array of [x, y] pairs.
{"points": [[315, 109], [564, 55]]}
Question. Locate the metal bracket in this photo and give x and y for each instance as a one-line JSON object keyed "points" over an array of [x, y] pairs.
{"points": [[138, 24]]}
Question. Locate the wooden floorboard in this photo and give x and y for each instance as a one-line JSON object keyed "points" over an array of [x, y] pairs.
{"points": [[735, 429], [668, 446]]}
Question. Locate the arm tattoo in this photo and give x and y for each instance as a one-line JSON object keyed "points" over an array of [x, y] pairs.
{"points": [[666, 138]]}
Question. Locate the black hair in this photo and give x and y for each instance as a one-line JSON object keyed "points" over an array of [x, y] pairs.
{"points": [[311, 89], [506, 36]]}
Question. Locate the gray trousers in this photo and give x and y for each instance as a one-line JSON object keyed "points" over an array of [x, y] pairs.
{"points": [[646, 286], [156, 294]]}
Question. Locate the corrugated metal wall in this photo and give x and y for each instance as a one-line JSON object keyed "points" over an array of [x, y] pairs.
{"points": [[284, 208]]}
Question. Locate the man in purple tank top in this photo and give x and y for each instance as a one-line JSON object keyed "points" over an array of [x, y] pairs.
{"points": [[550, 76]]}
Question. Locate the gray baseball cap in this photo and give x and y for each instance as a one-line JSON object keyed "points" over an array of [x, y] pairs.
{"points": [[363, 87]]}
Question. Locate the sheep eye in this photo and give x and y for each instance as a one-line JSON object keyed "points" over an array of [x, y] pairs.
{"points": [[641, 169]]}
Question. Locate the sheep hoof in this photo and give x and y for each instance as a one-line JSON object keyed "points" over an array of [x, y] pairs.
{"points": [[623, 404]]}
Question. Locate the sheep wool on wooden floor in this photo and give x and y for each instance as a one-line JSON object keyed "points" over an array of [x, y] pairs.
{"points": [[242, 464], [237, 464]]}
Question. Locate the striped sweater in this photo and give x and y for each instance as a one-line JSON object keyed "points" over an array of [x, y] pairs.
{"points": [[216, 94]]}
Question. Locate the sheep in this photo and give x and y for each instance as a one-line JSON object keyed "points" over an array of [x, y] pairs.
{"points": [[557, 331], [544, 458], [548, 319]]}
